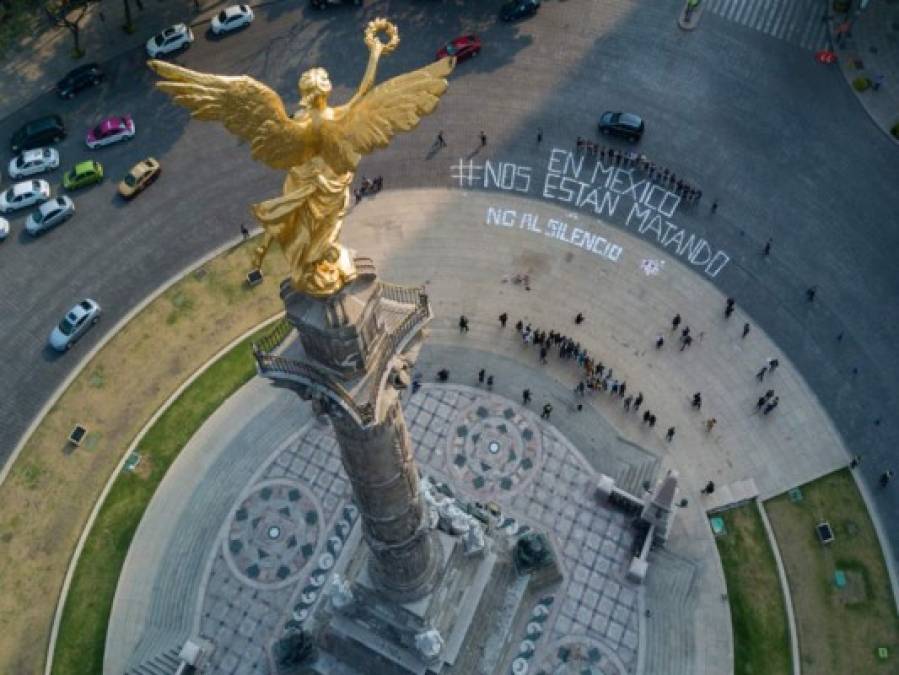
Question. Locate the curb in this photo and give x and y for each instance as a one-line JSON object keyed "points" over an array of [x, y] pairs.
{"points": [[784, 588], [73, 562], [689, 21], [82, 364], [882, 537], [844, 53]]}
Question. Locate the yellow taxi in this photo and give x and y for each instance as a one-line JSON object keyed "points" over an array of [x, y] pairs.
{"points": [[142, 174]]}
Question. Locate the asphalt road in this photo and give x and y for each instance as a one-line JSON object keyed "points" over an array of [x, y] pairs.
{"points": [[780, 140]]}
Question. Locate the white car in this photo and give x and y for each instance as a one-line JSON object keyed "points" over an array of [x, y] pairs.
{"points": [[24, 194], [170, 40], [231, 18], [75, 324], [34, 161], [51, 213], [4, 228]]}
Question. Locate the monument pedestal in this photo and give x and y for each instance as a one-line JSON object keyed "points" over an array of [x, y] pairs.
{"points": [[420, 587]]}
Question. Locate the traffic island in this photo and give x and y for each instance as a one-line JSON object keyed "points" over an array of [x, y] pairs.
{"points": [[689, 16]]}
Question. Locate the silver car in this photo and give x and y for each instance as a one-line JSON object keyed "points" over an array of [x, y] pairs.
{"points": [[51, 213], [35, 161], [24, 194], [75, 324]]}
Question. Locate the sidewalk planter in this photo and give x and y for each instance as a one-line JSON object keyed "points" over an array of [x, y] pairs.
{"points": [[861, 83]]}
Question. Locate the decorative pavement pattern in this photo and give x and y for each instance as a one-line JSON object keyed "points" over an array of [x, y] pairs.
{"points": [[289, 525]]}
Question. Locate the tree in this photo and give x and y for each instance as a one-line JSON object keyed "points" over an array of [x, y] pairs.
{"points": [[69, 14]]}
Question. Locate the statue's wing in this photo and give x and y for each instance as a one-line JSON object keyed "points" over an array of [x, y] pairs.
{"points": [[393, 106], [247, 108]]}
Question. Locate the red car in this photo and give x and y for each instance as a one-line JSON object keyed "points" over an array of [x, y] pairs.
{"points": [[462, 48]]}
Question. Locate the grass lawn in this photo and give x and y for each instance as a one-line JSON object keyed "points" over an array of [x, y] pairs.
{"points": [[761, 637], [839, 629], [51, 489], [82, 634]]}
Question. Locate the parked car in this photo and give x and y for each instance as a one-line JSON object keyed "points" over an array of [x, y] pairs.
{"points": [[4, 228], [321, 4], [83, 174], [231, 18], [75, 324], [48, 215], [518, 9], [462, 48], [111, 130], [170, 40], [42, 131], [626, 125], [24, 194], [34, 161], [82, 77], [142, 174]]}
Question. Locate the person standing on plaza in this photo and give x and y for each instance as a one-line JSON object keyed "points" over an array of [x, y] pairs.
{"points": [[526, 396], [760, 376], [767, 250], [746, 329], [490, 381], [697, 400], [760, 403], [652, 421], [772, 405], [710, 424], [670, 434], [539, 135], [547, 411], [660, 341], [503, 318], [579, 318], [886, 477], [675, 322], [686, 341], [627, 403], [638, 401], [463, 324], [810, 293], [483, 137], [729, 308], [441, 142], [772, 364], [481, 375]]}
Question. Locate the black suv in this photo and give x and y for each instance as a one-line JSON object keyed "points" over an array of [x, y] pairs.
{"points": [[626, 125], [39, 132], [80, 78]]}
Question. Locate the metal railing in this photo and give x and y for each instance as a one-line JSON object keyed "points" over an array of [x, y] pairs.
{"points": [[273, 339], [395, 340]]}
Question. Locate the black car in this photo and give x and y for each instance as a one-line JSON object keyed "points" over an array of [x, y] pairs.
{"points": [[519, 9], [626, 125], [321, 4], [80, 78], [42, 131]]}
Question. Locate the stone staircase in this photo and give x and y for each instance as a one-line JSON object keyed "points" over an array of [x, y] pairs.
{"points": [[670, 642], [634, 475], [164, 664]]}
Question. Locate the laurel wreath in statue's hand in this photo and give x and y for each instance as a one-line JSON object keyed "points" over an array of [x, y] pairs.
{"points": [[377, 26]]}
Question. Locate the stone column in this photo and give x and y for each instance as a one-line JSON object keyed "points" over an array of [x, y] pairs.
{"points": [[379, 462]]}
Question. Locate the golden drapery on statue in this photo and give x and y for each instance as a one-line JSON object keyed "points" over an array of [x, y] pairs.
{"points": [[319, 147]]}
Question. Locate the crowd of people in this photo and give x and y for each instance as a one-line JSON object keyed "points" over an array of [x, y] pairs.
{"points": [[654, 173]]}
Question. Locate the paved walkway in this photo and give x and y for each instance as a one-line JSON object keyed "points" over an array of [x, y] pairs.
{"points": [[870, 48], [468, 266]]}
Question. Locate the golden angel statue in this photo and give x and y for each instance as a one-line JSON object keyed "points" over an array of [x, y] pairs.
{"points": [[319, 147]]}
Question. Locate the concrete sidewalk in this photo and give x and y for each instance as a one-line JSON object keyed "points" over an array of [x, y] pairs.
{"points": [[870, 48], [41, 60]]}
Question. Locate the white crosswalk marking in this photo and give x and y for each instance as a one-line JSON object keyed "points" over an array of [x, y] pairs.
{"points": [[795, 21]]}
